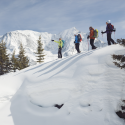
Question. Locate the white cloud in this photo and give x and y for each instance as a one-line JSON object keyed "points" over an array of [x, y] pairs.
{"points": [[56, 15]]}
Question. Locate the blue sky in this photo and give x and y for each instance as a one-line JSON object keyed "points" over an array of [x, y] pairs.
{"points": [[54, 16]]}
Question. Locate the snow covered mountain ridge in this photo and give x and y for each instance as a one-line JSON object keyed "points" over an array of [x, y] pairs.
{"points": [[29, 40]]}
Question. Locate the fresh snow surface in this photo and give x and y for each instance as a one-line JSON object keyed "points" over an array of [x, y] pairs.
{"points": [[88, 84], [29, 40]]}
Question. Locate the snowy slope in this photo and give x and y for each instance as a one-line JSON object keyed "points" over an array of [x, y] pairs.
{"points": [[29, 40], [88, 84]]}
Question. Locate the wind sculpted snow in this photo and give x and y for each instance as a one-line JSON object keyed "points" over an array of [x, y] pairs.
{"points": [[88, 86]]}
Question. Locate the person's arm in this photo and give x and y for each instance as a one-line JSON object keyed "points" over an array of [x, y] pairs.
{"points": [[104, 32], [56, 41], [108, 30], [59, 43]]}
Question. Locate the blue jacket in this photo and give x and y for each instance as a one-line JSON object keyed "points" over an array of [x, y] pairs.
{"points": [[76, 39]]}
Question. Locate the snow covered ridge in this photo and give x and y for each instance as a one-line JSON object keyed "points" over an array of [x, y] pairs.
{"points": [[88, 85], [29, 40]]}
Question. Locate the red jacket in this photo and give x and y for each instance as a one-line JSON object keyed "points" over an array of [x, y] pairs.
{"points": [[92, 34]]}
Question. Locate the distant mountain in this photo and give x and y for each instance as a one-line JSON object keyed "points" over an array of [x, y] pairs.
{"points": [[29, 40]]}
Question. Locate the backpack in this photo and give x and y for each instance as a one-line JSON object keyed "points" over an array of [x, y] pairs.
{"points": [[79, 38], [112, 27], [95, 33], [63, 43]]}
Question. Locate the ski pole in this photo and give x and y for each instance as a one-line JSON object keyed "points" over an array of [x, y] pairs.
{"points": [[72, 50], [74, 46], [88, 44], [102, 34], [52, 45], [114, 35]]}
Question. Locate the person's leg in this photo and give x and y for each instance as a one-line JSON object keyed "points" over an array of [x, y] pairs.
{"points": [[78, 48], [92, 43], [109, 38], [58, 52], [112, 40]]}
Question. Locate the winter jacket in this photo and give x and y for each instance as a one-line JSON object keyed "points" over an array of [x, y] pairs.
{"points": [[109, 28], [60, 43], [76, 39], [92, 34]]}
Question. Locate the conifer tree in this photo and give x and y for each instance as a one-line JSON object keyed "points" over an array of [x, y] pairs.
{"points": [[120, 59], [40, 54], [14, 62], [4, 59], [23, 60]]}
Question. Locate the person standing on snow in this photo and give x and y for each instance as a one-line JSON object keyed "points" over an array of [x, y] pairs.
{"points": [[77, 43], [109, 30], [92, 38], [60, 44]]}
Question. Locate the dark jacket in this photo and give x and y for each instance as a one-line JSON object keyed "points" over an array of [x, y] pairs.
{"points": [[109, 28]]}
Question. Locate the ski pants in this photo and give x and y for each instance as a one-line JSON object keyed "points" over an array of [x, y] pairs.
{"points": [[109, 39], [60, 52], [77, 47], [92, 43]]}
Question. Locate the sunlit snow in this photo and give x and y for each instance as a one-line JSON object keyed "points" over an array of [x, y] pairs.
{"points": [[88, 84]]}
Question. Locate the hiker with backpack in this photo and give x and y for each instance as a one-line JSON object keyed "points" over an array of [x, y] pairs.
{"points": [[60, 44], [92, 37], [109, 30], [77, 41]]}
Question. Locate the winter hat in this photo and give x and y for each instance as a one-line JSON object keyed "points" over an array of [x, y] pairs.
{"points": [[108, 21]]}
